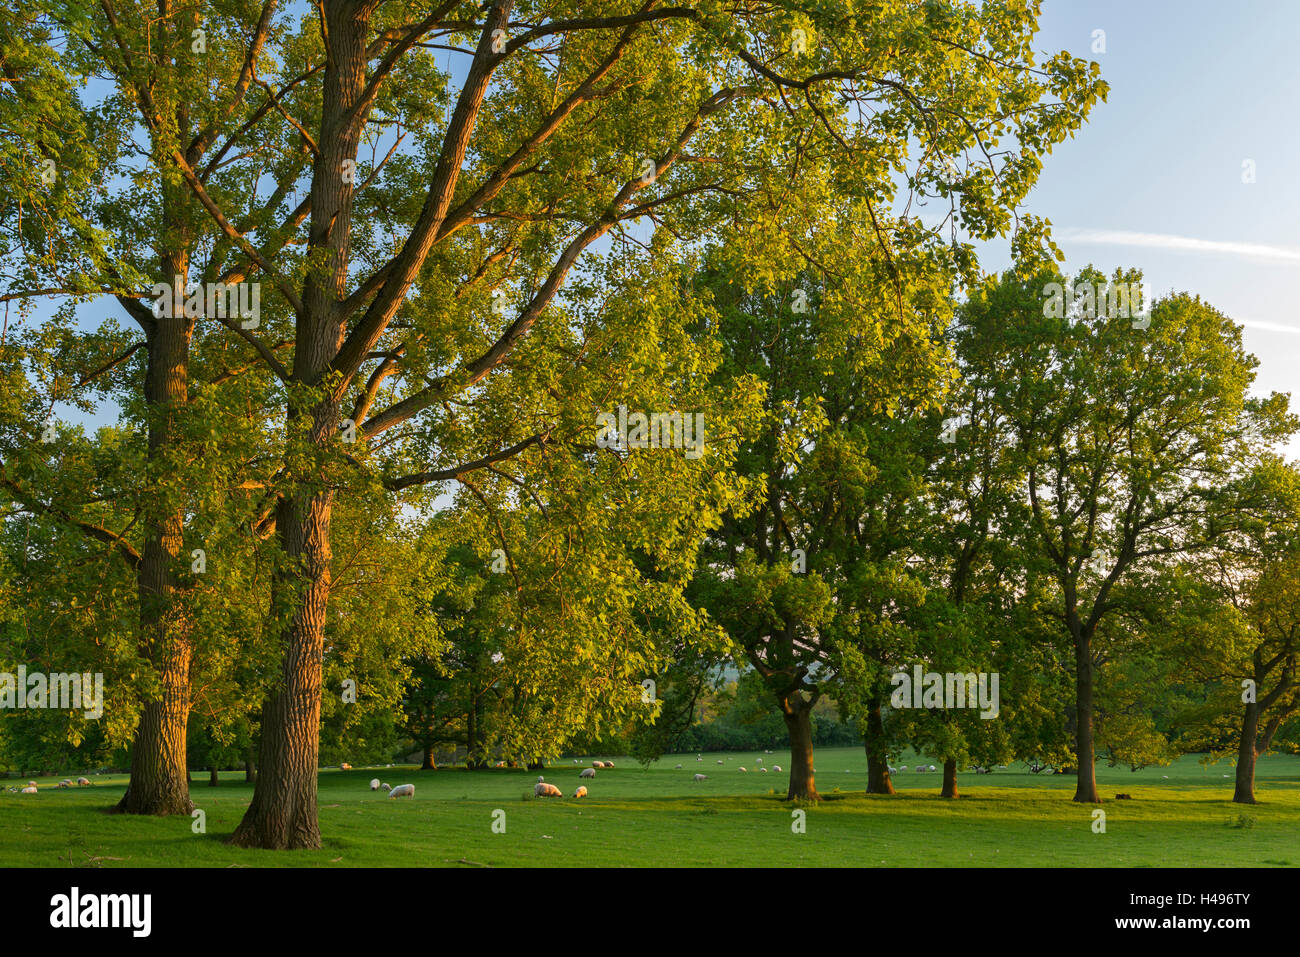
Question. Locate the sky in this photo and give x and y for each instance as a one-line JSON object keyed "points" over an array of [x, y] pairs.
{"points": [[1154, 180]]}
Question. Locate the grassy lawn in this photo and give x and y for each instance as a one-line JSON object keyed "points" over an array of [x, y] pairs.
{"points": [[1179, 816]]}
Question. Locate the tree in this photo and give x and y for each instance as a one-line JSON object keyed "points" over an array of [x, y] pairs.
{"points": [[1129, 432]]}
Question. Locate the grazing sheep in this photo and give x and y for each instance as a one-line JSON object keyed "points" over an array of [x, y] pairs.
{"points": [[742, 769], [609, 764], [776, 767], [374, 784], [30, 789], [719, 762], [402, 790], [83, 782], [348, 767], [540, 779], [677, 767], [758, 760], [893, 770], [597, 764], [386, 787], [700, 777], [902, 767], [764, 770], [932, 767], [543, 790], [589, 773], [701, 758], [581, 792], [68, 784]]}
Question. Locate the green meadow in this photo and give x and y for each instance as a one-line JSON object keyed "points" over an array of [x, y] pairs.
{"points": [[1181, 815]]}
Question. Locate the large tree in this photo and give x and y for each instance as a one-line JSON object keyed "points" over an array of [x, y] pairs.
{"points": [[1130, 433]]}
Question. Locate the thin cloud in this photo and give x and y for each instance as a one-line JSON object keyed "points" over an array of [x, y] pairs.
{"points": [[1119, 237], [1269, 326]]}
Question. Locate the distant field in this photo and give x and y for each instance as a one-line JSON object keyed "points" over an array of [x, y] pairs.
{"points": [[1180, 816]]}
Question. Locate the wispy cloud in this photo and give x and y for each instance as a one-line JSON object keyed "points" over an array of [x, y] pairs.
{"points": [[1269, 326], [1119, 237]]}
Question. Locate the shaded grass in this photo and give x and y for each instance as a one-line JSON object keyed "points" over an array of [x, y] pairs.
{"points": [[661, 817]]}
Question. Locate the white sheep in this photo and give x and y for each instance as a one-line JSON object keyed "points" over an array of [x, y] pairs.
{"points": [[777, 768], [719, 762], [597, 764], [403, 790], [902, 767], [758, 760], [700, 777], [67, 784], [932, 767], [83, 782], [677, 767], [764, 770], [30, 789], [581, 792], [588, 773], [540, 779], [543, 790], [893, 770], [374, 784], [609, 764], [386, 787], [700, 757], [742, 769]]}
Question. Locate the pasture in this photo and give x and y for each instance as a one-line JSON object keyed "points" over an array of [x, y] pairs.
{"points": [[1180, 815]]}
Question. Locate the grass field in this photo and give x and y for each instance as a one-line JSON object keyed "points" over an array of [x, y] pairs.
{"points": [[660, 817]]}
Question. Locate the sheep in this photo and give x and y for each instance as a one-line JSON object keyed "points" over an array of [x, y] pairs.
{"points": [[374, 784], [543, 790], [589, 773], [719, 762], [742, 769], [700, 777], [581, 792], [347, 767], [776, 768], [609, 764], [83, 782], [67, 784], [597, 764], [386, 787], [403, 790], [758, 760], [677, 767], [932, 767], [540, 779], [893, 770], [700, 757], [902, 767], [30, 789], [764, 770]]}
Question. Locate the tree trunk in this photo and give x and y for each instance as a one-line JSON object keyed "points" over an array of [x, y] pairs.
{"points": [[878, 781], [159, 782], [282, 815], [429, 764], [949, 779], [1086, 788], [1244, 792], [250, 767], [798, 721], [214, 778]]}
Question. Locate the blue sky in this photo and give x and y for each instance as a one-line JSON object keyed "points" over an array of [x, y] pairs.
{"points": [[1154, 180]]}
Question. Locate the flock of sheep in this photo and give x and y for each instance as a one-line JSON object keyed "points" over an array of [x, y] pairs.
{"points": [[31, 787]]}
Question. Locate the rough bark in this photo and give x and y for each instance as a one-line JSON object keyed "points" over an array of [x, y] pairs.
{"points": [[878, 780], [1244, 792], [159, 782], [798, 721], [214, 777], [428, 764], [949, 779], [1086, 788]]}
